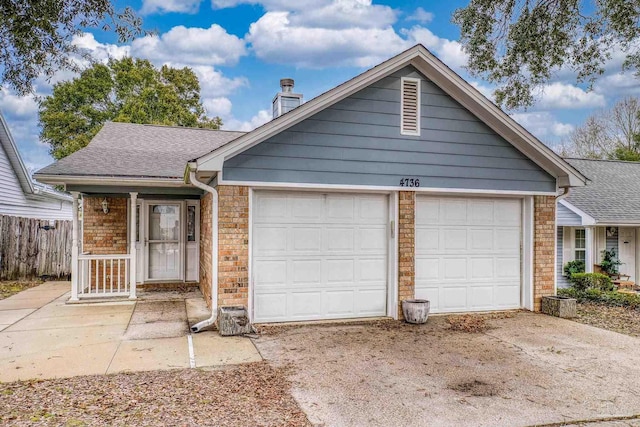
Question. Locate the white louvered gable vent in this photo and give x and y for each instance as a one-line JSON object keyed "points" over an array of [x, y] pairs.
{"points": [[410, 120]]}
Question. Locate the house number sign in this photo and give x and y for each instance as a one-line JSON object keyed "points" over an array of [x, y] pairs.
{"points": [[409, 182]]}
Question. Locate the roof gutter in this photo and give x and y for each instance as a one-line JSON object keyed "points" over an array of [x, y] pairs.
{"points": [[214, 248]]}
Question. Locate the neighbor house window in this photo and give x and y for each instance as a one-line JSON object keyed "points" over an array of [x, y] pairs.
{"points": [[580, 245]]}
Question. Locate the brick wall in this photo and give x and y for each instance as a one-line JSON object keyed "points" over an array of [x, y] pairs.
{"points": [[104, 234], [543, 248], [233, 245], [205, 247], [406, 247]]}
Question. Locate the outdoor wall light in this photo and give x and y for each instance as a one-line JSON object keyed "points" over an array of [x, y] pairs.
{"points": [[105, 206]]}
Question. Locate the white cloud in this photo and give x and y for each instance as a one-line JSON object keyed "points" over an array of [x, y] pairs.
{"points": [[213, 83], [20, 107], [100, 51], [262, 117], [449, 51], [484, 89], [345, 14], [164, 6], [618, 84], [563, 95], [205, 46], [217, 107], [275, 39], [421, 15], [543, 124]]}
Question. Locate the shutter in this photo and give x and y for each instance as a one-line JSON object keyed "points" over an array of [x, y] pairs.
{"points": [[410, 106]]}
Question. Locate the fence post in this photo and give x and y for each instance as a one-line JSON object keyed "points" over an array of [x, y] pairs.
{"points": [[132, 247], [74, 249]]}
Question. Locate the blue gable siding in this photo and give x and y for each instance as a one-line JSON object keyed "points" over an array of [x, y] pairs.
{"points": [[357, 141], [566, 216]]}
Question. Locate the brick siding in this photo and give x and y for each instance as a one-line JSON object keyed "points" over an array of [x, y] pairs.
{"points": [[543, 248], [104, 234], [205, 247], [233, 245], [406, 247]]}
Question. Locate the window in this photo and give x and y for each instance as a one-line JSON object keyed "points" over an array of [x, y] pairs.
{"points": [[580, 244], [410, 109], [191, 223]]}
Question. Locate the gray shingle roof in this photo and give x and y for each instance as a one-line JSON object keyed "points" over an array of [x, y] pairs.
{"points": [[613, 194], [133, 150]]}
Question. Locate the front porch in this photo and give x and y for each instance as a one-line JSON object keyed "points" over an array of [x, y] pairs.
{"points": [[123, 241]]}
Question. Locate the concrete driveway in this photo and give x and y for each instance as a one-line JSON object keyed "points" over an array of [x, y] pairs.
{"points": [[526, 370], [43, 337]]}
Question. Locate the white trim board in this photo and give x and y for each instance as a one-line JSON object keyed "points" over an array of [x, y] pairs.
{"points": [[380, 189]]}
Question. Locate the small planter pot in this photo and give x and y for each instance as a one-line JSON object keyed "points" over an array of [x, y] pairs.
{"points": [[416, 310], [558, 306]]}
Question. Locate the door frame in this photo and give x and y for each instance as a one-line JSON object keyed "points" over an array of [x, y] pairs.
{"points": [[630, 271], [181, 240], [392, 241]]}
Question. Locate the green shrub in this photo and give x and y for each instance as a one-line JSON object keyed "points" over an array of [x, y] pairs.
{"points": [[584, 281], [573, 267], [610, 262], [609, 298]]}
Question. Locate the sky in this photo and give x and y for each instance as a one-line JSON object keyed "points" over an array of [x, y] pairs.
{"points": [[240, 49]]}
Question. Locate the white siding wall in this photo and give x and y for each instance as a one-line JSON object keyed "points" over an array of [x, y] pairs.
{"points": [[13, 201]]}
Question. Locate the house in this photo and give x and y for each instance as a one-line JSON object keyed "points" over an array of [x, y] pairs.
{"points": [[19, 194], [403, 182], [604, 215]]}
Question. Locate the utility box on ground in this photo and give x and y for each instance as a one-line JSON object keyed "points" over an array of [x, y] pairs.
{"points": [[233, 320]]}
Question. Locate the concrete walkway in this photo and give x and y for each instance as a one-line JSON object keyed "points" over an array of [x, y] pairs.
{"points": [[43, 337]]}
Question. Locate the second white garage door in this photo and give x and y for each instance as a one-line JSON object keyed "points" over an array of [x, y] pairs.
{"points": [[318, 256], [468, 253]]}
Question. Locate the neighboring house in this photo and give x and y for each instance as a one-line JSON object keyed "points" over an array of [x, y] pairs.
{"points": [[605, 214], [402, 182], [19, 194]]}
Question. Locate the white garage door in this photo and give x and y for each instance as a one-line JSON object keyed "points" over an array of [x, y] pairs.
{"points": [[318, 256], [468, 253]]}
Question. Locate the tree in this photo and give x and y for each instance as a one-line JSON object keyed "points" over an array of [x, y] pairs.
{"points": [[127, 90], [37, 35], [610, 134], [520, 44]]}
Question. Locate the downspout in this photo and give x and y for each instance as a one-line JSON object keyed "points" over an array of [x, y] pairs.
{"points": [[567, 190], [214, 252]]}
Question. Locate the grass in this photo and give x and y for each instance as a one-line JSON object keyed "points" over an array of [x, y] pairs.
{"points": [[9, 288]]}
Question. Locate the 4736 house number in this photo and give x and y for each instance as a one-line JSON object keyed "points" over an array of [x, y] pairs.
{"points": [[410, 182]]}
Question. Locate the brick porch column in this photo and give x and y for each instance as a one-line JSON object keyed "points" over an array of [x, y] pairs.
{"points": [[544, 218], [406, 247]]}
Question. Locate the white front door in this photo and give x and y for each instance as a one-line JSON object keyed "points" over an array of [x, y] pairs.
{"points": [[627, 249], [319, 256], [164, 240], [468, 253]]}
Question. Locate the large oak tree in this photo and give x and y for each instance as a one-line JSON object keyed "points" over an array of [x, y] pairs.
{"points": [[36, 35], [127, 90], [520, 44]]}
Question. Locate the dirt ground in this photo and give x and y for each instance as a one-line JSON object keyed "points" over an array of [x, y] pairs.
{"points": [[524, 370], [247, 395], [617, 319], [12, 287]]}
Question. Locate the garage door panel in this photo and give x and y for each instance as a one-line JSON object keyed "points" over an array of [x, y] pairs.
{"points": [[305, 304], [454, 268], [271, 305], [333, 262], [454, 239], [427, 269], [270, 239], [481, 268], [453, 211], [340, 271], [468, 253], [306, 271], [340, 239], [371, 302], [271, 272], [269, 209]]}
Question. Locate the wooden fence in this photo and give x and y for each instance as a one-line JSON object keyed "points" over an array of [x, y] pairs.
{"points": [[34, 248]]}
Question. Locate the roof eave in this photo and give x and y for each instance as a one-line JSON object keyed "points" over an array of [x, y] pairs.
{"points": [[15, 160], [110, 180]]}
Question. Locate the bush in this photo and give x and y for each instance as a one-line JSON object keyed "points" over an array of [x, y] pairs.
{"points": [[609, 298], [573, 267], [610, 262], [585, 281]]}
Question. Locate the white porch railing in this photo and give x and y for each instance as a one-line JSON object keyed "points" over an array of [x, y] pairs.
{"points": [[104, 276]]}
